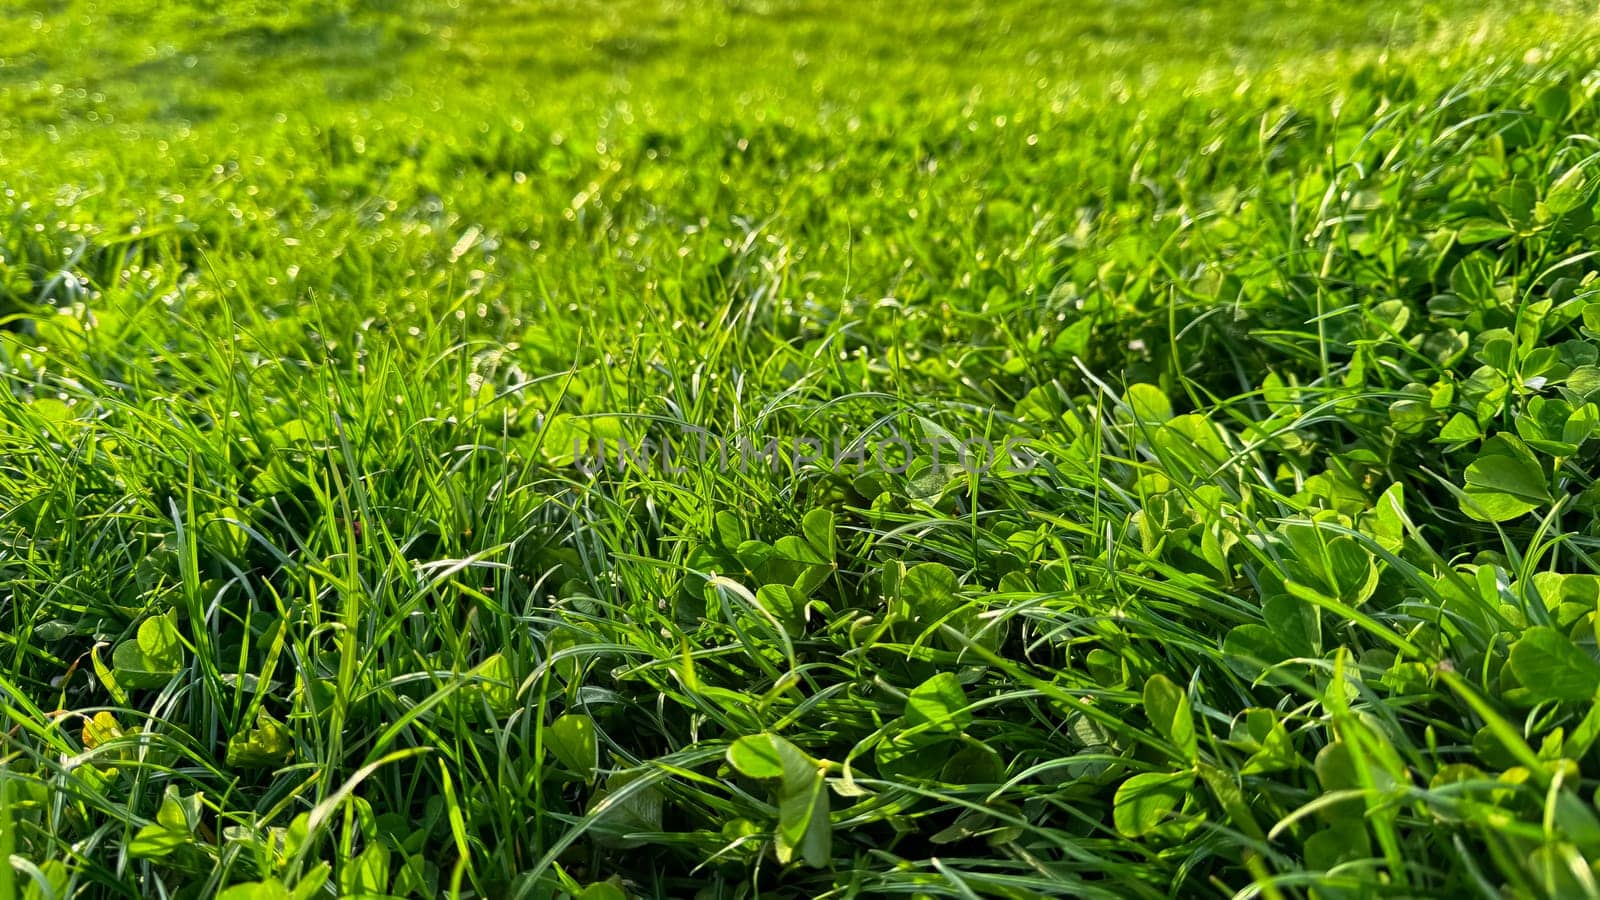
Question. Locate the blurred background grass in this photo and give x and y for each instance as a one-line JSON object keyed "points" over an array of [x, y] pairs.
{"points": [[75, 67]]}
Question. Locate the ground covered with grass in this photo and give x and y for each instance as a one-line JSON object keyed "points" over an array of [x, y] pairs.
{"points": [[798, 448]]}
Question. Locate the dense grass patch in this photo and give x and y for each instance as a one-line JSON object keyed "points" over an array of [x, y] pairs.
{"points": [[1129, 451]]}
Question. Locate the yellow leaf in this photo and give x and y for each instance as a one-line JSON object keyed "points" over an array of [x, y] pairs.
{"points": [[101, 728]]}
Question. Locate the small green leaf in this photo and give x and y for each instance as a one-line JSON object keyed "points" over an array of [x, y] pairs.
{"points": [[1460, 429], [1576, 822], [817, 846], [786, 603], [728, 529], [602, 890], [1581, 425], [560, 643], [495, 683], [312, 882], [53, 881], [974, 764], [1334, 565], [179, 813], [1504, 481], [222, 533], [572, 740], [1145, 802], [133, 669], [1336, 770], [927, 592], [158, 638], [155, 841], [1551, 667], [1346, 842], [153, 656], [819, 530], [1554, 102], [296, 835], [768, 756], [1573, 189], [804, 562], [1276, 751], [636, 809], [1479, 230], [271, 889], [367, 874], [1295, 624], [1250, 649], [755, 556], [411, 878], [801, 793], [1168, 708], [803, 822], [1191, 442], [797, 550], [1148, 404], [939, 705], [265, 746], [1584, 381]]}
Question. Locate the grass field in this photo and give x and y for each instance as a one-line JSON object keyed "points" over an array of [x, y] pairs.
{"points": [[799, 448]]}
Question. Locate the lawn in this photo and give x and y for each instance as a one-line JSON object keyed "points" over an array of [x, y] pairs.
{"points": [[799, 448]]}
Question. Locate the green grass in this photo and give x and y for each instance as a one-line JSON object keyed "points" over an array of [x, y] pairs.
{"points": [[1288, 310]]}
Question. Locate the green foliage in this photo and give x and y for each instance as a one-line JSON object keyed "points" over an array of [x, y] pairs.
{"points": [[1504, 481], [1551, 668], [798, 448], [265, 744], [152, 657], [572, 740], [800, 790]]}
